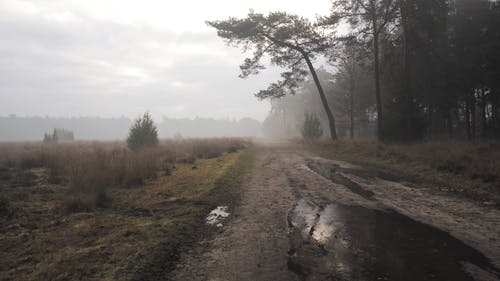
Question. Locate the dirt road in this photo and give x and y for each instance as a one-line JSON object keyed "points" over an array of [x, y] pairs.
{"points": [[309, 218]]}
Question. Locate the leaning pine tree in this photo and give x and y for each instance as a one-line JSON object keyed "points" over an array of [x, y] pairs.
{"points": [[289, 40], [143, 133]]}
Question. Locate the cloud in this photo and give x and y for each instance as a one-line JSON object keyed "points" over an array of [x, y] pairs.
{"points": [[68, 58]]}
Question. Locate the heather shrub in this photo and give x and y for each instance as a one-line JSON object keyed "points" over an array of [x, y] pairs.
{"points": [[84, 202]]}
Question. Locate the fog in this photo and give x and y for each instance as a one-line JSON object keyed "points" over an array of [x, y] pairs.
{"points": [[250, 140], [399, 77], [13, 128], [114, 59]]}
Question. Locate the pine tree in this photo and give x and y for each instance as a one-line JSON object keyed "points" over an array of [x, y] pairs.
{"points": [[311, 129], [143, 133]]}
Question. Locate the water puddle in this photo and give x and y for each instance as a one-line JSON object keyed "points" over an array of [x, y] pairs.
{"points": [[324, 228], [355, 243], [217, 215], [314, 222]]}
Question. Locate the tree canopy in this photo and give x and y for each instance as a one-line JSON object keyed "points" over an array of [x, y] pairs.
{"points": [[404, 70], [290, 41]]}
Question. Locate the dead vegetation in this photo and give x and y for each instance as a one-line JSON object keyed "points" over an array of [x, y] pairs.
{"points": [[471, 169], [96, 210], [89, 168]]}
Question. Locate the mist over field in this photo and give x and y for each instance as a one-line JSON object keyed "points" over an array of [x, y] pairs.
{"points": [[113, 59], [283, 140], [94, 128]]}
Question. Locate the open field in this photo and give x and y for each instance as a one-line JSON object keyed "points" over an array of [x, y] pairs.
{"points": [[96, 211], [342, 211], [465, 168]]}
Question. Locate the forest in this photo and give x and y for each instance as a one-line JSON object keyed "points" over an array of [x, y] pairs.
{"points": [[399, 70]]}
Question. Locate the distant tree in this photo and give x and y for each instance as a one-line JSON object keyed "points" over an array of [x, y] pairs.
{"points": [[289, 40], [311, 129], [143, 133], [47, 138], [58, 135]]}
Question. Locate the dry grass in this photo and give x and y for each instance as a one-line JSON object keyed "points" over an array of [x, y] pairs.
{"points": [[93, 225], [469, 168], [89, 168], [23, 155]]}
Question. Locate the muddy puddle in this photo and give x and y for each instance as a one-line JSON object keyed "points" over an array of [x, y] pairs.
{"points": [[334, 173], [217, 216], [337, 242]]}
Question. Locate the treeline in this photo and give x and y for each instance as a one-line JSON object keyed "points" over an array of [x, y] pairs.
{"points": [[58, 135], [208, 127], [437, 62], [409, 69], [14, 128]]}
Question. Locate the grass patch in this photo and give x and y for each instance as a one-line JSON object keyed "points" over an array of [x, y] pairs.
{"points": [[59, 232], [471, 169], [187, 223]]}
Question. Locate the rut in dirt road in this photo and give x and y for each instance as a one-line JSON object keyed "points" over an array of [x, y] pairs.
{"points": [[308, 218], [254, 244]]}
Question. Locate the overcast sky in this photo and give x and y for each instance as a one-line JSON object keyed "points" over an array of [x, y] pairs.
{"points": [[122, 57]]}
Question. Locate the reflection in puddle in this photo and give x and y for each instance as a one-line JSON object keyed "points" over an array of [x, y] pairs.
{"points": [[354, 243], [303, 217], [314, 222], [323, 229], [217, 215]]}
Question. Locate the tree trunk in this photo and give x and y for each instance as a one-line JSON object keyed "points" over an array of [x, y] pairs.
{"points": [[351, 101], [450, 123], [432, 126], [406, 72], [467, 117], [329, 114], [484, 113], [285, 124], [494, 112], [473, 114], [380, 128]]}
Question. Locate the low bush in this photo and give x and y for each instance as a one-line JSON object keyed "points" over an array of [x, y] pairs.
{"points": [[76, 202], [311, 128]]}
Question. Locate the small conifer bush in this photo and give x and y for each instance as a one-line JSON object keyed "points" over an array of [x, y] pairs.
{"points": [[311, 129], [143, 133]]}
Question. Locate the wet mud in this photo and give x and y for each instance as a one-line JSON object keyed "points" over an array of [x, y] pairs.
{"points": [[338, 242], [308, 218], [334, 173]]}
